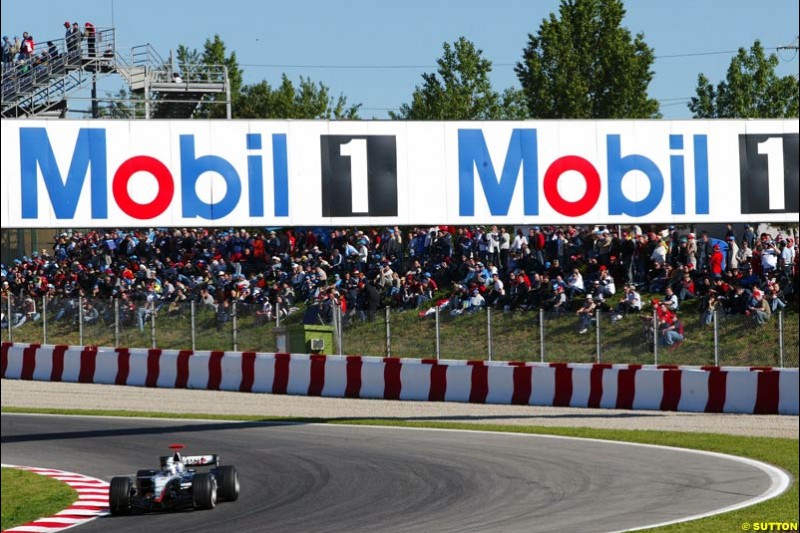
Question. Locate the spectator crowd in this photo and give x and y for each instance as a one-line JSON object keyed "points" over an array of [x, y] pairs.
{"points": [[571, 270]]}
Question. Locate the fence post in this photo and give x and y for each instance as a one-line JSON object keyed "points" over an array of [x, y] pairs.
{"points": [[116, 323], [80, 320], [337, 312], [277, 315], [436, 312], [489, 332], [780, 336], [153, 328], [388, 332], [235, 325], [655, 337], [194, 333], [597, 334], [44, 319], [9, 318], [716, 340], [541, 335]]}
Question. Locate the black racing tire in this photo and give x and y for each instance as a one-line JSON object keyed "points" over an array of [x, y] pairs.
{"points": [[204, 491], [119, 496], [228, 481]]}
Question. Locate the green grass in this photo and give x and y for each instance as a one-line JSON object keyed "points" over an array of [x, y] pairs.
{"points": [[783, 453], [515, 336], [27, 496]]}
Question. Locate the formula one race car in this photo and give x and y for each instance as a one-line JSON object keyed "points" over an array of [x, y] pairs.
{"points": [[175, 486]]}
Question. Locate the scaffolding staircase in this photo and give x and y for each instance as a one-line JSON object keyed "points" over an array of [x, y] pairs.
{"points": [[43, 85]]}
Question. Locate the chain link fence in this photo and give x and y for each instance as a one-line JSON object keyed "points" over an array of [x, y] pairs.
{"points": [[607, 337]]}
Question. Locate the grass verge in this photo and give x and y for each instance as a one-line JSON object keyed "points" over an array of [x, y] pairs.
{"points": [[783, 453], [27, 496]]}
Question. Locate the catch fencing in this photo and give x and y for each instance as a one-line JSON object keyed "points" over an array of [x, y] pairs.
{"points": [[487, 334]]}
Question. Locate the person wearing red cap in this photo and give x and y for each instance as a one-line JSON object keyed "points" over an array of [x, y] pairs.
{"points": [[91, 38]]}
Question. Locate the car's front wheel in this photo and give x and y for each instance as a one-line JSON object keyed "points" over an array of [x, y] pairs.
{"points": [[119, 496], [228, 479], [204, 491]]}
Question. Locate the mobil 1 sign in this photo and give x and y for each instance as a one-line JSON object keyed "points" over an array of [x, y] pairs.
{"points": [[99, 174], [769, 173]]}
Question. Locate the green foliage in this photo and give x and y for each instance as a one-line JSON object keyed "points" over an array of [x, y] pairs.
{"points": [[214, 54], [27, 496], [751, 89], [460, 90], [308, 100], [585, 65], [124, 105]]}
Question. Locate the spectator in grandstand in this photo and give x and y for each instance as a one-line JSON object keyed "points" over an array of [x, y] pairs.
{"points": [[27, 49], [73, 39], [670, 299], [715, 262], [710, 305], [745, 255], [670, 327], [769, 256], [176, 78], [759, 308], [585, 314], [91, 38], [732, 253], [691, 251], [631, 302], [7, 56]]}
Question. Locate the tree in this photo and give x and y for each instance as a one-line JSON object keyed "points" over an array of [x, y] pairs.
{"points": [[586, 65], [461, 91], [210, 62], [308, 101], [750, 90]]}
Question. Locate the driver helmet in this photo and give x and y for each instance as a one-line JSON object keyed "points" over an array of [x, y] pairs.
{"points": [[174, 464]]}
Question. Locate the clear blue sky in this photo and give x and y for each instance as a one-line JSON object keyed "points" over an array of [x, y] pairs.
{"points": [[273, 37]]}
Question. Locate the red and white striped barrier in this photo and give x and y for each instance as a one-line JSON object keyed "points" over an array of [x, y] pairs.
{"points": [[664, 387], [92, 501]]}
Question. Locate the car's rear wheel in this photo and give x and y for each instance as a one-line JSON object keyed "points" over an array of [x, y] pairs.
{"points": [[228, 479], [119, 496], [204, 491]]}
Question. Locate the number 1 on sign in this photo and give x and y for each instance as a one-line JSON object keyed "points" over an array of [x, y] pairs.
{"points": [[356, 150], [773, 148]]}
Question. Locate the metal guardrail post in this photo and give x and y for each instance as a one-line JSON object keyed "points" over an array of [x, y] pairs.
{"points": [[44, 319], [437, 332], [80, 320], [716, 340], [388, 332], [277, 315], [337, 312], [597, 333], [116, 323], [489, 332], [153, 328], [194, 331], [541, 335], [780, 337], [235, 325], [655, 337]]}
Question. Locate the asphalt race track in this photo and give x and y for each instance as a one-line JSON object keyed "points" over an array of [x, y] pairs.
{"points": [[310, 478]]}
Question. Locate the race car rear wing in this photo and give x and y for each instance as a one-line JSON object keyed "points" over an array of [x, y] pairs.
{"points": [[194, 460]]}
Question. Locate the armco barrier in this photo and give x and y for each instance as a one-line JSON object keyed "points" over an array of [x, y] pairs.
{"points": [[664, 387]]}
